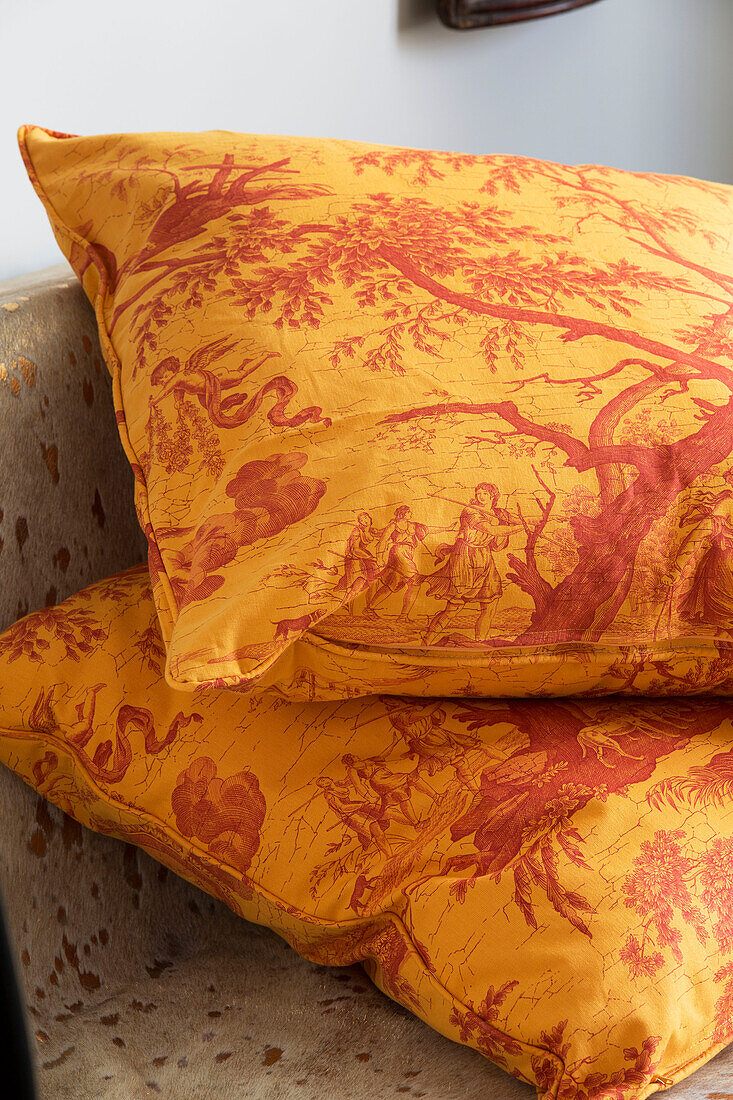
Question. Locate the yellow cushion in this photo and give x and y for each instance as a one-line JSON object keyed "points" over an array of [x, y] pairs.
{"points": [[548, 881], [414, 422]]}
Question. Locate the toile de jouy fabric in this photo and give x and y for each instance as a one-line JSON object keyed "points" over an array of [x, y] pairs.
{"points": [[547, 881], [414, 422]]}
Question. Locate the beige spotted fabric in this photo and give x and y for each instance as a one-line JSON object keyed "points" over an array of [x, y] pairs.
{"points": [[136, 983], [65, 495]]}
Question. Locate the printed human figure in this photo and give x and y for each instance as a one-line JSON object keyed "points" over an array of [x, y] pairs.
{"points": [[468, 575], [396, 549], [709, 598], [374, 778], [432, 746], [366, 820], [360, 560]]}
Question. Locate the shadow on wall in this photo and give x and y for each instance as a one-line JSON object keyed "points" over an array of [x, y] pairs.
{"points": [[414, 13]]}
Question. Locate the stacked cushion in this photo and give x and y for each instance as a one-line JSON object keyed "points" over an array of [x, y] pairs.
{"points": [[418, 438], [548, 882], [412, 422]]}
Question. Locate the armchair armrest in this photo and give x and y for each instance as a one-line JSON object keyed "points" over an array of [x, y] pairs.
{"points": [[66, 491]]}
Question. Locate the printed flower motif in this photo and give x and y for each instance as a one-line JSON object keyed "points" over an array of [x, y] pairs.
{"points": [[626, 1081], [656, 888], [150, 645], [547, 1070], [479, 1025], [226, 815], [724, 1006], [557, 815], [716, 878], [640, 965], [74, 628]]}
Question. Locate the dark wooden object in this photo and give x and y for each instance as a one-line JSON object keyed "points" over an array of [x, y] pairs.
{"points": [[465, 14]]}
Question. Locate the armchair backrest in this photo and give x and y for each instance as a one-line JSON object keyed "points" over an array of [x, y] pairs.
{"points": [[66, 491]]}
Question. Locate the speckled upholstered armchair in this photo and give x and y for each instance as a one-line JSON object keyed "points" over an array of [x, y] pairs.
{"points": [[136, 983]]}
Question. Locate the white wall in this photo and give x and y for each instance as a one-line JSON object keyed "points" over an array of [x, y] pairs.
{"points": [[643, 84]]}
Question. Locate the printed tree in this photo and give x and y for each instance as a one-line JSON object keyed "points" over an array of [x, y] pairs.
{"points": [[430, 270]]}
